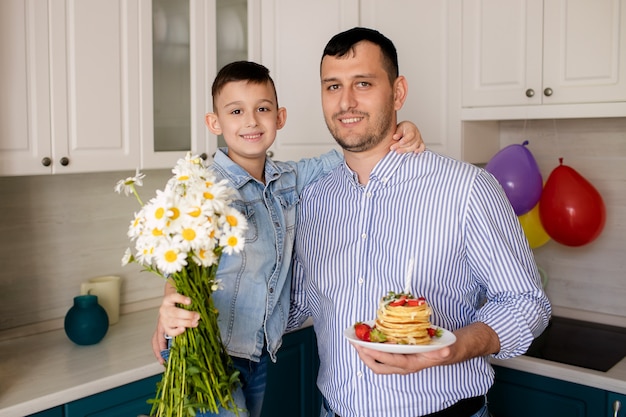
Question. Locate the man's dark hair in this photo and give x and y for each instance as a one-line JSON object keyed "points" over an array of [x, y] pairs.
{"points": [[250, 72], [344, 42]]}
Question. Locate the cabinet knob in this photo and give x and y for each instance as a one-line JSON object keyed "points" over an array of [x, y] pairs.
{"points": [[204, 156], [64, 161], [46, 162], [530, 92], [547, 92], [270, 154]]}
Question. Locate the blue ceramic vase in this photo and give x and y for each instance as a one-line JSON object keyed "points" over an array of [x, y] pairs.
{"points": [[86, 322]]}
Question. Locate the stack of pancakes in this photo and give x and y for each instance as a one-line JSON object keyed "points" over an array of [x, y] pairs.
{"points": [[404, 322]]}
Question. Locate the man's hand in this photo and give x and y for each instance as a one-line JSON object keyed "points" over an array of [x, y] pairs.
{"points": [[477, 339]]}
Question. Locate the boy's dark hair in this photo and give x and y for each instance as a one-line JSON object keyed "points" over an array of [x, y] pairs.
{"points": [[250, 72], [344, 42]]}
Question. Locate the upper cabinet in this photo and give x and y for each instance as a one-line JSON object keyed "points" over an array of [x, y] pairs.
{"points": [[425, 35], [544, 58], [70, 80]]}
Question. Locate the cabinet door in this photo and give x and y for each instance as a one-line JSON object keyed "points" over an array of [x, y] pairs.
{"points": [[291, 389], [52, 412], [94, 81], [293, 55], [502, 52], [423, 33], [25, 99], [178, 61], [127, 400], [520, 394], [584, 51], [616, 406]]}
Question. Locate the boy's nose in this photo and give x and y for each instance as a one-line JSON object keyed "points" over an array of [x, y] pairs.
{"points": [[251, 121]]}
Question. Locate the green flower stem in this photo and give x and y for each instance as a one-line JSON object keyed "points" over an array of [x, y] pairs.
{"points": [[199, 374]]}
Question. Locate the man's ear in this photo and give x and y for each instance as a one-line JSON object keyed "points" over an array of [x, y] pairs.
{"points": [[281, 118], [400, 89], [211, 121]]}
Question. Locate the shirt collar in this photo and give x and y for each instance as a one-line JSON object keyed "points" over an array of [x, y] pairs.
{"points": [[384, 170], [239, 176]]}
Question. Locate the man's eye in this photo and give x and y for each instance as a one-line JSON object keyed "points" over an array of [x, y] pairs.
{"points": [[363, 84], [333, 87]]}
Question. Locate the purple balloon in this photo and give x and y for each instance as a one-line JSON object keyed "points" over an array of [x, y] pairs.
{"points": [[516, 170]]}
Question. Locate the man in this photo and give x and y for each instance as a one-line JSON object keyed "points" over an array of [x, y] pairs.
{"points": [[356, 236]]}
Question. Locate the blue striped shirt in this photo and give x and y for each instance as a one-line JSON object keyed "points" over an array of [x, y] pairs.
{"points": [[472, 263]]}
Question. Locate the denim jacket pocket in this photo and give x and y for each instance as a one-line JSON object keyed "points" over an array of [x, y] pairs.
{"points": [[247, 210]]}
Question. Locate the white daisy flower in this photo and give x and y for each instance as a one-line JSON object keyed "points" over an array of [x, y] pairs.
{"points": [[232, 243], [170, 259], [128, 185]]}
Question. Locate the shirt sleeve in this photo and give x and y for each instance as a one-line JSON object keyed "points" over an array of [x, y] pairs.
{"points": [[310, 169], [516, 306], [298, 311]]}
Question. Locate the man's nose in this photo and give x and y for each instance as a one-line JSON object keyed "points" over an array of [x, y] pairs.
{"points": [[348, 100]]}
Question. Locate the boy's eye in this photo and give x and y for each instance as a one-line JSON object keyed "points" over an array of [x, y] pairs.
{"points": [[236, 111], [263, 109]]}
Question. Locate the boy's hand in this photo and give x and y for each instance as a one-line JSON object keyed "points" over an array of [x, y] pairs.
{"points": [[409, 139]]}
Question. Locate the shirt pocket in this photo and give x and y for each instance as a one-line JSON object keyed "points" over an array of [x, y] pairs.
{"points": [[289, 200], [247, 210]]}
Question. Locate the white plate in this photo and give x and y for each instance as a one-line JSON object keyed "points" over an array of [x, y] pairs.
{"points": [[446, 339]]}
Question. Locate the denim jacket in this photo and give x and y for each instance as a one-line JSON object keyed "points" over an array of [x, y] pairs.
{"points": [[254, 304]]}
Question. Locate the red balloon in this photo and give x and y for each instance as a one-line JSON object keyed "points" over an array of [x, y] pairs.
{"points": [[571, 209]]}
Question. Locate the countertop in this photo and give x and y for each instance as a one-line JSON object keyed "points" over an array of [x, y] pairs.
{"points": [[46, 370]]}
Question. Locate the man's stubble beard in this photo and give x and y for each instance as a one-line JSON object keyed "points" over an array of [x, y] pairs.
{"points": [[368, 140]]}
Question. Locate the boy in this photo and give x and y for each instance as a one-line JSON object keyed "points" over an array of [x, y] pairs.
{"points": [[254, 303]]}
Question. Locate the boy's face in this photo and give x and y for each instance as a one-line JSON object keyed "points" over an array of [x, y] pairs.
{"points": [[248, 116], [358, 101]]}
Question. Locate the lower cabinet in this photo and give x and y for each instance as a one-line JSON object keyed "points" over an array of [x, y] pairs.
{"points": [[521, 394], [291, 388], [616, 404]]}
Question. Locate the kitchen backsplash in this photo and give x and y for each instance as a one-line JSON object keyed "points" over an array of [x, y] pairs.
{"points": [[59, 230], [590, 277]]}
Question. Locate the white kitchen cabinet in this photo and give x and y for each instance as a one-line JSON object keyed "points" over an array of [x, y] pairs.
{"points": [[424, 34], [567, 58], [70, 83], [178, 61]]}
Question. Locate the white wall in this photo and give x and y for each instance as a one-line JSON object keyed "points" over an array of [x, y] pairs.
{"points": [[591, 277]]}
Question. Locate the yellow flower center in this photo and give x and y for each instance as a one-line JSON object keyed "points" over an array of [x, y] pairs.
{"points": [[171, 256], [208, 196], [231, 220], [195, 212], [157, 232], [232, 241], [189, 234], [175, 213], [183, 178], [159, 213]]}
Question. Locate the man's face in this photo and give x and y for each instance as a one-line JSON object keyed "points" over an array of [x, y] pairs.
{"points": [[357, 98]]}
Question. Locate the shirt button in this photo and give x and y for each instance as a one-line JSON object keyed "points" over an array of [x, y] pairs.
{"points": [[359, 374], [369, 194], [271, 290], [364, 236], [360, 281], [384, 179]]}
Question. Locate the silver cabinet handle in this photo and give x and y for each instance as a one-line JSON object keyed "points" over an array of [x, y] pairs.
{"points": [[616, 406], [548, 92], [530, 92]]}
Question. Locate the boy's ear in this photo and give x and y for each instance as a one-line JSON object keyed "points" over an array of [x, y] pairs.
{"points": [[281, 118], [212, 122]]}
